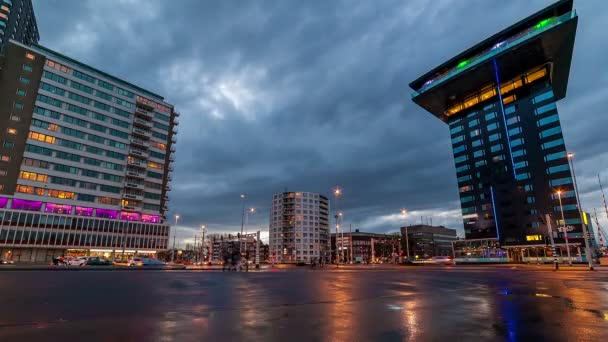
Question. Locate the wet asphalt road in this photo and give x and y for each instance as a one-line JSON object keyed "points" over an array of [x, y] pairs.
{"points": [[414, 304]]}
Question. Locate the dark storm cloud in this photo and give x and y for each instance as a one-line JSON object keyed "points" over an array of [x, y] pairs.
{"points": [[306, 95]]}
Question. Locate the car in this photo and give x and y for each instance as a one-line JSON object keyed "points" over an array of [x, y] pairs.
{"points": [[79, 261], [6, 262], [139, 261], [440, 260], [96, 261]]}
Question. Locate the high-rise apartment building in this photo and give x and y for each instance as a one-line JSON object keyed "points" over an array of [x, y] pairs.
{"points": [[18, 22], [85, 159], [499, 100], [299, 227]]}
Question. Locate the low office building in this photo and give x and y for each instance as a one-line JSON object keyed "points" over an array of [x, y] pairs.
{"points": [[366, 247], [428, 241], [85, 159]]}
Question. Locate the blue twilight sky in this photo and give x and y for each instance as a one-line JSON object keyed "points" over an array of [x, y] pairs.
{"points": [[307, 95]]}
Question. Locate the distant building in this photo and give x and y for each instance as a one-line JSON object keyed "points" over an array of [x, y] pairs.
{"points": [[427, 241], [299, 227], [18, 22], [366, 247]]}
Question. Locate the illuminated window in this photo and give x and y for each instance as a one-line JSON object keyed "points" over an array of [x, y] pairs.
{"points": [[61, 194], [508, 99], [25, 189], [5, 158], [58, 66], [5, 8], [3, 16], [42, 137], [454, 110], [466, 188], [30, 56], [486, 94], [509, 86], [158, 145], [155, 165], [21, 92], [33, 176], [533, 76], [471, 102], [11, 131]]}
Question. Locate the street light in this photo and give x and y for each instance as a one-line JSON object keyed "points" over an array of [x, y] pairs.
{"points": [[561, 208], [174, 234], [247, 212], [407, 240], [580, 212], [203, 247], [243, 197], [337, 193]]}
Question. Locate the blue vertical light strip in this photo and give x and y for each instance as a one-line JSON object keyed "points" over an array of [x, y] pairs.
{"points": [[504, 118], [494, 211]]}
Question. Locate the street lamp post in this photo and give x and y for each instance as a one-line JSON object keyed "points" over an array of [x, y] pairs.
{"points": [[407, 240], [242, 212], [203, 247], [580, 212], [337, 194], [561, 208], [174, 234], [247, 212]]}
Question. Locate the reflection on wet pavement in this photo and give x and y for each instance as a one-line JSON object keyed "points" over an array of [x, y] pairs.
{"points": [[323, 305]]}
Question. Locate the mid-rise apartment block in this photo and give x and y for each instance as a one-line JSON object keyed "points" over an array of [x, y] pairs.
{"points": [[85, 159], [299, 227]]}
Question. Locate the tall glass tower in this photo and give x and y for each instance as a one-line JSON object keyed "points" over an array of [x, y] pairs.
{"points": [[499, 101]]}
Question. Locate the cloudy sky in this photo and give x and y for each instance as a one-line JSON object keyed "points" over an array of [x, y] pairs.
{"points": [[307, 95]]}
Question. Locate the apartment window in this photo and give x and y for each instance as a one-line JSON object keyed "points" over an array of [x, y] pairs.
{"points": [[476, 143], [24, 80], [456, 129], [457, 139], [514, 131], [547, 120], [553, 143], [543, 96], [81, 87], [15, 118], [11, 131], [560, 181], [478, 154], [519, 153], [21, 92], [90, 173], [496, 148], [3, 172], [521, 164], [512, 120], [83, 76], [549, 132], [462, 168], [510, 110], [27, 68], [490, 116], [61, 194], [105, 85], [494, 137], [18, 106], [33, 176], [480, 163], [54, 77], [558, 168], [464, 178], [5, 158], [41, 137], [460, 159], [472, 123], [30, 56], [545, 108], [8, 144], [522, 176], [492, 126], [466, 188], [517, 142], [475, 133], [459, 149]]}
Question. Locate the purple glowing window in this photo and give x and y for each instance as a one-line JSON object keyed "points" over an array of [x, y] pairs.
{"points": [[129, 216], [149, 218], [3, 202], [105, 213], [84, 211], [58, 208], [20, 204]]}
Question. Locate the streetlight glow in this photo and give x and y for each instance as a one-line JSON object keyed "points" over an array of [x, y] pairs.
{"points": [[570, 155], [252, 210], [403, 211], [242, 195]]}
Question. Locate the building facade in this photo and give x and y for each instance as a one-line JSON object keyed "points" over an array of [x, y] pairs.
{"points": [[428, 241], [85, 159], [299, 227], [366, 247], [18, 22], [499, 100]]}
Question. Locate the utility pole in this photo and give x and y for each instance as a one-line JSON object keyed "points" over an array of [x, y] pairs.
{"points": [[350, 238], [580, 213]]}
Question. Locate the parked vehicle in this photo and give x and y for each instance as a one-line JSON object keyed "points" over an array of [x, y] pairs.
{"points": [[80, 261], [96, 261], [142, 262], [6, 262]]}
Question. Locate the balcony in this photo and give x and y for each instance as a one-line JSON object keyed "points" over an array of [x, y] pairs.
{"points": [[172, 150], [138, 153], [176, 121], [132, 185], [173, 139], [139, 142], [143, 113], [136, 174], [142, 123], [132, 197], [137, 163], [141, 133], [166, 198], [176, 114], [168, 187], [130, 208]]}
